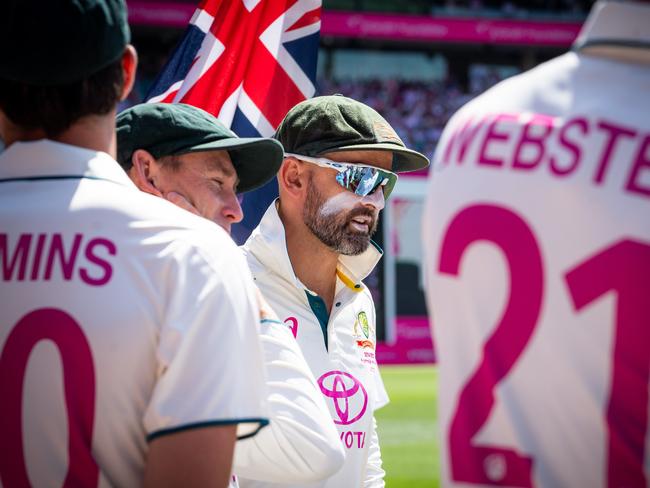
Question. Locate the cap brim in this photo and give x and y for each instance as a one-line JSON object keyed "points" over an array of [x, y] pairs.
{"points": [[404, 159], [256, 160]]}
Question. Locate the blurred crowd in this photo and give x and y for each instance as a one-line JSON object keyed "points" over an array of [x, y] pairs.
{"points": [[519, 8], [417, 110]]}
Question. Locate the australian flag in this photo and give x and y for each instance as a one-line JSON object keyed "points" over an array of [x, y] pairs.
{"points": [[247, 62]]}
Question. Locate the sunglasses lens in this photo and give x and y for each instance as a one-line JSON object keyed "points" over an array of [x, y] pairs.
{"points": [[368, 181], [364, 180], [390, 184]]}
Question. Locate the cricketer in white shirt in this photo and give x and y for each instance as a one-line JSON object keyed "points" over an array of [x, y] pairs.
{"points": [[122, 316], [312, 250], [210, 165], [340, 350], [537, 239]]}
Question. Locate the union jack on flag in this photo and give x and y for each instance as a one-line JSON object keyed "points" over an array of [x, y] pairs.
{"points": [[247, 62]]}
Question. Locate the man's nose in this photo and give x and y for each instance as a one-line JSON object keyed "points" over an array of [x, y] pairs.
{"points": [[232, 210], [375, 199]]}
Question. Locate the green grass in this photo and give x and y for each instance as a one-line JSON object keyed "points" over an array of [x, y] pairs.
{"points": [[408, 427]]}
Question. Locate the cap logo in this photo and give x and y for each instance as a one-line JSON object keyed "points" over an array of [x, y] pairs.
{"points": [[385, 132]]}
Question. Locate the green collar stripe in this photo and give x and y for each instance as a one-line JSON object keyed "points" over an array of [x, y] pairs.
{"points": [[320, 311]]}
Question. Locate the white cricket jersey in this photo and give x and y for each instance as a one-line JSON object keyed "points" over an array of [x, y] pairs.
{"points": [[340, 349], [300, 444], [537, 239], [123, 318]]}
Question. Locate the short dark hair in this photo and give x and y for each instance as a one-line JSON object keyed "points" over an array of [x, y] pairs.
{"points": [[55, 108]]}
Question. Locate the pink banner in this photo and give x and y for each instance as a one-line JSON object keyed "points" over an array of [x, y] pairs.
{"points": [[392, 27], [412, 344], [429, 29], [162, 14]]}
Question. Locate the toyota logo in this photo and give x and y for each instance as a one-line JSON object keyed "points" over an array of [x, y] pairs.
{"points": [[348, 394]]}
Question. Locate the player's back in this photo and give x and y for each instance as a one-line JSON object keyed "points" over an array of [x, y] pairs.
{"points": [[91, 315], [538, 234]]}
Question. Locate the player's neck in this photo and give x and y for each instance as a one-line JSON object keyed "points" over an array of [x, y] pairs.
{"points": [[313, 263], [94, 132]]}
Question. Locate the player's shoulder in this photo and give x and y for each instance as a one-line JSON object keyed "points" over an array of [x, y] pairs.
{"points": [[180, 232], [264, 272], [255, 265], [511, 94], [366, 295]]}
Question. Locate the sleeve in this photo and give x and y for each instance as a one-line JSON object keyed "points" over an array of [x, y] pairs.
{"points": [[210, 369], [301, 443], [374, 477]]}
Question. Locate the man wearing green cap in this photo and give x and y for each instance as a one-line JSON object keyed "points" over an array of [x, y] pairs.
{"points": [[312, 250], [112, 303], [178, 151], [184, 154]]}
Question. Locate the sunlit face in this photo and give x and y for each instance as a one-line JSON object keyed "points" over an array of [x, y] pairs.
{"points": [[342, 220], [208, 181]]}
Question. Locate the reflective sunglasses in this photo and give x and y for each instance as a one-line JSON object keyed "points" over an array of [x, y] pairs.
{"points": [[360, 179]]}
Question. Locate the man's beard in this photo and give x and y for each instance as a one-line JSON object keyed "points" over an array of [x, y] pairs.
{"points": [[334, 230]]}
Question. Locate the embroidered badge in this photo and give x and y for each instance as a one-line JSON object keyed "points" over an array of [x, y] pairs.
{"points": [[385, 133], [363, 320], [363, 331]]}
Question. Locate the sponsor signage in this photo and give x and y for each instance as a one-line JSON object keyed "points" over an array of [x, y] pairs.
{"points": [[431, 29], [392, 27]]}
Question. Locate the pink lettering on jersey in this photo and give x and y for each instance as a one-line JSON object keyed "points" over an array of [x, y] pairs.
{"points": [[38, 255], [66, 265], [17, 258], [472, 462], [570, 145], [293, 321], [625, 269], [55, 255], [348, 396], [97, 260], [641, 163], [614, 132], [523, 142], [493, 135], [352, 439], [533, 136], [78, 384], [462, 138]]}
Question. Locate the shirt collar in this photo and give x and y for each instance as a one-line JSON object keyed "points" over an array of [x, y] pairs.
{"points": [[45, 158], [269, 244], [618, 30]]}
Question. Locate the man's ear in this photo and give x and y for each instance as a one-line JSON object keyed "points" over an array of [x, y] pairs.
{"points": [[129, 67], [292, 177], [10, 132], [145, 171]]}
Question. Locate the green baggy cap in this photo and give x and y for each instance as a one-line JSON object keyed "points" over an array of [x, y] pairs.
{"points": [[168, 129], [56, 42], [336, 123]]}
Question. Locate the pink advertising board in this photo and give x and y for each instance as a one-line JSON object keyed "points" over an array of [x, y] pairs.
{"points": [[430, 29], [394, 27], [160, 14], [412, 343]]}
